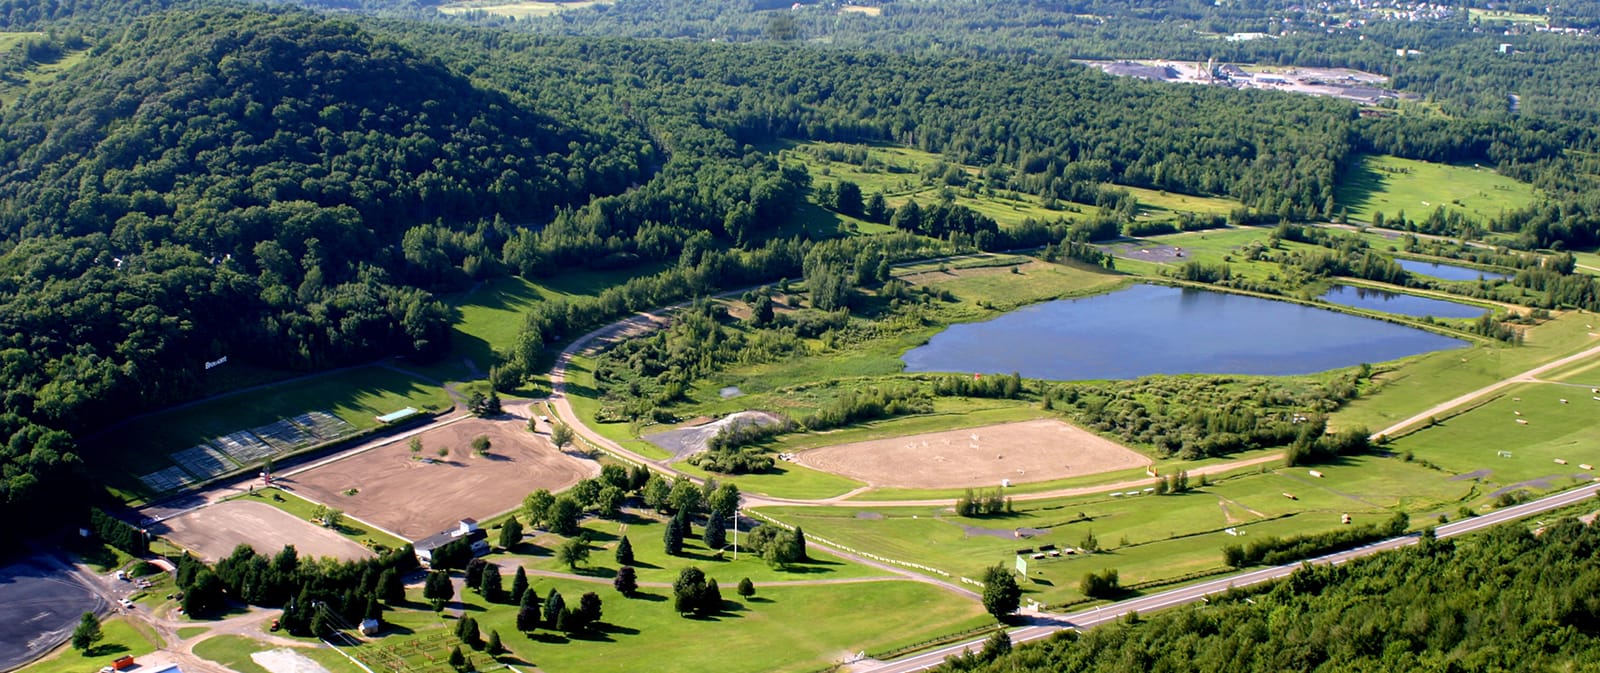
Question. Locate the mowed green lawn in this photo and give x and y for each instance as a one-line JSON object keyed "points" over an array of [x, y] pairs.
{"points": [[645, 533], [782, 628], [1146, 537], [356, 395], [489, 316], [123, 637], [1414, 384], [1390, 185], [1472, 441]]}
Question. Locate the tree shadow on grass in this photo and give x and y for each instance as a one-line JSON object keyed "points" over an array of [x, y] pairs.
{"points": [[1359, 184], [643, 596], [105, 650], [549, 638], [597, 571], [616, 629], [759, 599]]}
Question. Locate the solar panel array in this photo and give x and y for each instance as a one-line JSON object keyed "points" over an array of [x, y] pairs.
{"points": [[247, 447]]}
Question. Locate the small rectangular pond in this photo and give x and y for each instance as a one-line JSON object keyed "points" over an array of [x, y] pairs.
{"points": [[1153, 329], [1397, 302], [1448, 271]]}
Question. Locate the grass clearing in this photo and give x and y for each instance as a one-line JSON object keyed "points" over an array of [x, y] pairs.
{"points": [[1160, 205], [1411, 385], [812, 626], [1146, 537], [518, 10], [1390, 184], [1472, 441], [123, 637]]}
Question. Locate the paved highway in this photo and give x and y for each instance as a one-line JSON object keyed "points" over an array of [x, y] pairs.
{"points": [[1046, 625]]}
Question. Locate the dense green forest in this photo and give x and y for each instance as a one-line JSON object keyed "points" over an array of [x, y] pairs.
{"points": [[1508, 600]]}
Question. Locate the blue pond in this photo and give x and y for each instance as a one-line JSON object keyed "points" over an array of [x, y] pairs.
{"points": [[1151, 329], [1448, 271], [1397, 302]]}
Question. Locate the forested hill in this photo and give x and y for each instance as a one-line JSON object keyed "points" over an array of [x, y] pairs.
{"points": [[1505, 601], [235, 182]]}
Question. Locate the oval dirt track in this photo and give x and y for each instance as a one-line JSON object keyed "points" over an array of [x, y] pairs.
{"points": [[1023, 452]]}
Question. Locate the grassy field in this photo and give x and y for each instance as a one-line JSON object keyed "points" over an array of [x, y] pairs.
{"points": [[302, 509], [122, 637], [1145, 537], [1588, 261], [518, 10], [355, 395], [902, 174], [809, 626], [1471, 442], [1414, 384], [489, 316], [1489, 15], [1158, 205], [1390, 185]]}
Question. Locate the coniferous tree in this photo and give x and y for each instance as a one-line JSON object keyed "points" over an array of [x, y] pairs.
{"points": [[519, 586], [624, 553], [528, 611]]}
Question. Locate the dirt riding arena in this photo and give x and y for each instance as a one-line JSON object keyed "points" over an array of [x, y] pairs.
{"points": [[214, 531], [1022, 452], [415, 498]]}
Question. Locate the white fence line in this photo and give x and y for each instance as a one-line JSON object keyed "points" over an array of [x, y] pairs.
{"points": [[875, 557]]}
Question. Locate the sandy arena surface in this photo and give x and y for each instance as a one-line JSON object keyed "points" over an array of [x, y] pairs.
{"points": [[215, 530], [416, 498], [1023, 452], [285, 660]]}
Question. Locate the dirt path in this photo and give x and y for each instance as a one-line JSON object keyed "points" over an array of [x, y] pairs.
{"points": [[1529, 376]]}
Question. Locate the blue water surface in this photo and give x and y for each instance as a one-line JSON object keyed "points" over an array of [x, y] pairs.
{"points": [[1399, 302], [1152, 329], [1448, 271]]}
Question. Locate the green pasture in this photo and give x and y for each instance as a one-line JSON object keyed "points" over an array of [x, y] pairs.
{"points": [[1588, 261], [518, 10], [1583, 373], [302, 509], [356, 395], [645, 532], [1409, 386], [1030, 283], [812, 626], [490, 315], [10, 39], [123, 637], [1492, 15], [1390, 184], [1158, 205], [1470, 442], [1146, 537]]}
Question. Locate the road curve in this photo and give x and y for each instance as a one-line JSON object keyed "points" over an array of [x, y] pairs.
{"points": [[1050, 624]]}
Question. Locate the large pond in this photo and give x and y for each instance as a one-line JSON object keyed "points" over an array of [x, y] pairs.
{"points": [[1151, 329], [1399, 302], [1448, 271]]}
